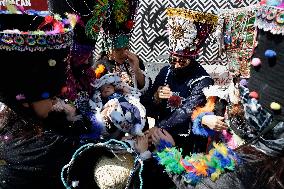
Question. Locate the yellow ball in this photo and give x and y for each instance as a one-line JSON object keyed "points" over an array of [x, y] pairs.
{"points": [[275, 106]]}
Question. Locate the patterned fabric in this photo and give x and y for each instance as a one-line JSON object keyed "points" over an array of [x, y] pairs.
{"points": [[190, 88], [258, 119]]}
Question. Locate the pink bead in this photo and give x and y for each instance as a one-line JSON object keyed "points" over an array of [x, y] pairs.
{"points": [[255, 62]]}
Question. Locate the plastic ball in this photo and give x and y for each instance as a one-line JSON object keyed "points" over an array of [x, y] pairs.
{"points": [[255, 62], [254, 94], [270, 53], [243, 82], [275, 106]]}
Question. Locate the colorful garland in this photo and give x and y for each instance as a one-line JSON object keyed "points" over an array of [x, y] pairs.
{"points": [[94, 25], [198, 166], [199, 129], [60, 36]]}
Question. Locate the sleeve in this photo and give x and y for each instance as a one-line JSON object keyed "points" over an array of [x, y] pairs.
{"points": [[141, 64], [147, 98], [148, 81], [182, 114]]}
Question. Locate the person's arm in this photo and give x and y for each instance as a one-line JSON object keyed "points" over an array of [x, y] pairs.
{"points": [[183, 113], [143, 81]]}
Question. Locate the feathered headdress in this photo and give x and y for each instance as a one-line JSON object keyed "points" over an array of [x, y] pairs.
{"points": [[115, 19], [188, 30]]}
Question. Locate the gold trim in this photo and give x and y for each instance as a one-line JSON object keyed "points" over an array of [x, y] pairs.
{"points": [[188, 14]]}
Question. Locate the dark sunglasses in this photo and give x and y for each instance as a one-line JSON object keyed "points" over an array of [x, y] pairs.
{"points": [[174, 59]]}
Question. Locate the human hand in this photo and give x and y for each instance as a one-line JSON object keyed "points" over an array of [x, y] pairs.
{"points": [[149, 133], [125, 78], [132, 59], [141, 144], [161, 134], [214, 122], [163, 92]]}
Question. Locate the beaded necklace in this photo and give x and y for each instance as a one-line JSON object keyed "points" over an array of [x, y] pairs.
{"points": [[167, 75], [91, 12]]}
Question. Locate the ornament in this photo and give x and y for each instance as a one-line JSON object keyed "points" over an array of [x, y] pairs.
{"points": [[270, 53], [254, 94], [275, 106], [255, 62], [243, 82]]}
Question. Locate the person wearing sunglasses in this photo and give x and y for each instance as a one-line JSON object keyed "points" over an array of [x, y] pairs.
{"points": [[178, 87]]}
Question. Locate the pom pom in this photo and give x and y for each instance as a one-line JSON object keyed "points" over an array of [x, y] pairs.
{"points": [[254, 94], [129, 24], [270, 53], [255, 62], [243, 82], [275, 106]]}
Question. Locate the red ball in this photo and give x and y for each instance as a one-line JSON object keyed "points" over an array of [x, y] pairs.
{"points": [[254, 94]]}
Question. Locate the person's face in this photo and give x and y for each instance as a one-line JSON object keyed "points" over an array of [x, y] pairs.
{"points": [[42, 107], [119, 55], [179, 62], [107, 90]]}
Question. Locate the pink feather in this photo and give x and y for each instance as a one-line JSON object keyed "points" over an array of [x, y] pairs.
{"points": [[229, 139]]}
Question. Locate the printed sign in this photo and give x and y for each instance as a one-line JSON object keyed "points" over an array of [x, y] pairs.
{"points": [[39, 5]]}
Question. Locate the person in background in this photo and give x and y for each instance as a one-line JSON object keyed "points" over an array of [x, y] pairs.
{"points": [[116, 34], [80, 74], [39, 131]]}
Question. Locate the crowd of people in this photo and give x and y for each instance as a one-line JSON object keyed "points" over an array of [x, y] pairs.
{"points": [[71, 121]]}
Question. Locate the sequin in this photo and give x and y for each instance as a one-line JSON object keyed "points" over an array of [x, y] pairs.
{"points": [[7, 39], [31, 40], [280, 17], [19, 40], [51, 62], [41, 41]]}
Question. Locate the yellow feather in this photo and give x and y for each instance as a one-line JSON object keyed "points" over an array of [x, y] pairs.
{"points": [[221, 148], [215, 175], [11, 8]]}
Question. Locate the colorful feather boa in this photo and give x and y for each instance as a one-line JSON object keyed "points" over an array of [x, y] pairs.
{"points": [[198, 166]]}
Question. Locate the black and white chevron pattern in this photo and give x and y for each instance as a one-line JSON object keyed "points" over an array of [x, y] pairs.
{"points": [[150, 40]]}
